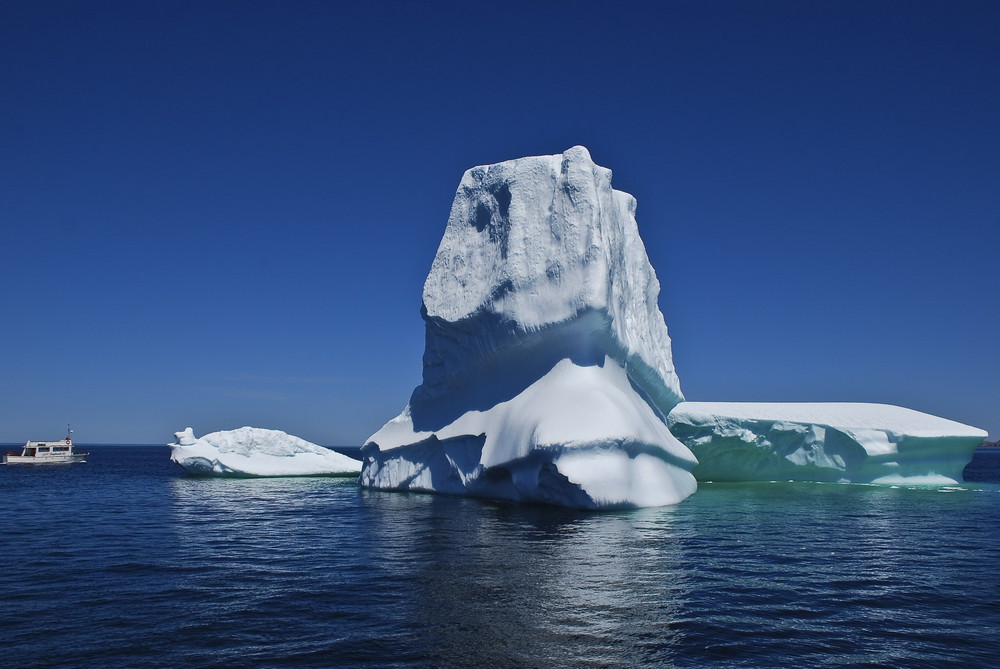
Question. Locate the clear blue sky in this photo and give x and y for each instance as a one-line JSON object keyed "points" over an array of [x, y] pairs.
{"points": [[221, 213]]}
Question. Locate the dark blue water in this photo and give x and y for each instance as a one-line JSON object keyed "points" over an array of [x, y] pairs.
{"points": [[125, 561]]}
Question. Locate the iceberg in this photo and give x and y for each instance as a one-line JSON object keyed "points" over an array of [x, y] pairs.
{"points": [[254, 451], [547, 368], [848, 442]]}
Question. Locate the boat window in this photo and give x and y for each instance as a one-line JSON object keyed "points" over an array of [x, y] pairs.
{"points": [[61, 448], [43, 449]]}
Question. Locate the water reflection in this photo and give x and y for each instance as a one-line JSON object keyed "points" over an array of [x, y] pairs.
{"points": [[519, 585], [740, 573]]}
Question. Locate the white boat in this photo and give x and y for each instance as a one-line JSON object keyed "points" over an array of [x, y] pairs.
{"points": [[46, 452]]}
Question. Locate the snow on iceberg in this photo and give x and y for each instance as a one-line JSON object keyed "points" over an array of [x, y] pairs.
{"points": [[547, 365], [861, 443], [254, 451]]}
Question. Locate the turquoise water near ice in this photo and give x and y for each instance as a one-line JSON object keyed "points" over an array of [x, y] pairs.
{"points": [[126, 561]]}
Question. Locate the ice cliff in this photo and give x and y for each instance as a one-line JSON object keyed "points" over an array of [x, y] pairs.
{"points": [[254, 451], [547, 365], [864, 443]]}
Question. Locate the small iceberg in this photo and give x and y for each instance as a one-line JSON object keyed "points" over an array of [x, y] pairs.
{"points": [[254, 451], [823, 441]]}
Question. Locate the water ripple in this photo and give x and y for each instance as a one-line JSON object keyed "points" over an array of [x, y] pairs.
{"points": [[126, 562]]}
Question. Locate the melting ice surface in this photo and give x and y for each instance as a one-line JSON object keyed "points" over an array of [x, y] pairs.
{"points": [[876, 443], [254, 451], [547, 364]]}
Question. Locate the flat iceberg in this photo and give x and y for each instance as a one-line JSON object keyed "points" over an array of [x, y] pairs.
{"points": [[547, 369], [254, 451], [853, 442]]}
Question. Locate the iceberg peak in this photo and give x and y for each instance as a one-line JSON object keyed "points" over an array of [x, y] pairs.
{"points": [[540, 300], [534, 245]]}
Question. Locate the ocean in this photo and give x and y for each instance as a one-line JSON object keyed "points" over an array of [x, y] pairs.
{"points": [[128, 562]]}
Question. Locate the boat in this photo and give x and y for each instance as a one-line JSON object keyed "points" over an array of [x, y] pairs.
{"points": [[46, 452]]}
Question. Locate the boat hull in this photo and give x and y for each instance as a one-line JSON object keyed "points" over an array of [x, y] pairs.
{"points": [[43, 460]]}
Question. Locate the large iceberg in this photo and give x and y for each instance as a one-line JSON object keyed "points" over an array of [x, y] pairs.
{"points": [[547, 364], [861, 443], [254, 451]]}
